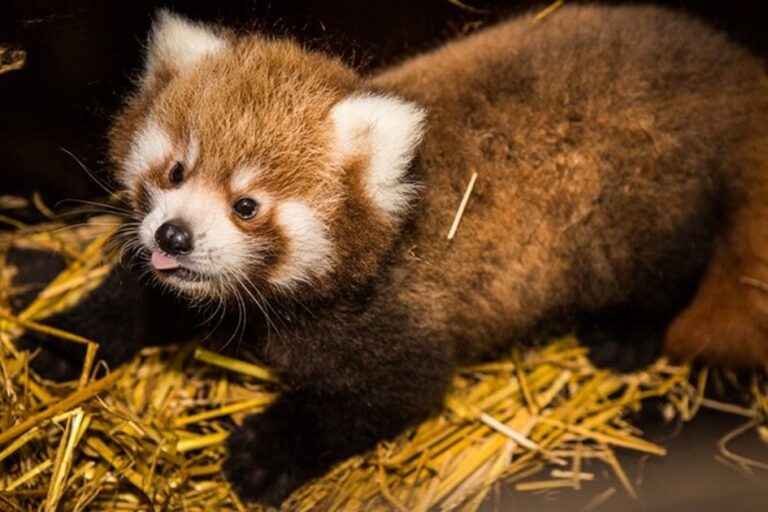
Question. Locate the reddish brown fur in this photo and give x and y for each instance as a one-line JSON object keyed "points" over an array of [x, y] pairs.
{"points": [[560, 143], [549, 140], [611, 145], [727, 322], [514, 104]]}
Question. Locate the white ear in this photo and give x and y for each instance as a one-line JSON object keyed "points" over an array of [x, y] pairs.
{"points": [[386, 130], [177, 44]]}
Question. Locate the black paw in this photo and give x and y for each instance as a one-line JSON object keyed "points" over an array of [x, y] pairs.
{"points": [[624, 346], [116, 314], [62, 363], [54, 359], [264, 463], [33, 270]]}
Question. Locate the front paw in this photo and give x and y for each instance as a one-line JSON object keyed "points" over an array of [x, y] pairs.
{"points": [[56, 360], [264, 464]]}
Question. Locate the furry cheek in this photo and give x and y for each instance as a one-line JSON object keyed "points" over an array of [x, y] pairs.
{"points": [[310, 250]]}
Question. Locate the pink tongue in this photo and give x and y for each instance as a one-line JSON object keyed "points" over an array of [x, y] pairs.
{"points": [[162, 261]]}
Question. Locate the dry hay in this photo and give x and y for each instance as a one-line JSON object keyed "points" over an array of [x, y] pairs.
{"points": [[150, 435]]}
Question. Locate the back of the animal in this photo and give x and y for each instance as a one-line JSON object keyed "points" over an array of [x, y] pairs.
{"points": [[610, 147]]}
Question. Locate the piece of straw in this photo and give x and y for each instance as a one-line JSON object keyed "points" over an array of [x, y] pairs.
{"points": [[462, 207]]}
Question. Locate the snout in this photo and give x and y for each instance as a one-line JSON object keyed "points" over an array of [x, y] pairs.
{"points": [[174, 238]]}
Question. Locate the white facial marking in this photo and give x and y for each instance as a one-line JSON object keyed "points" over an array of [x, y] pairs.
{"points": [[193, 150], [151, 146], [387, 130], [310, 250], [243, 179], [177, 43]]}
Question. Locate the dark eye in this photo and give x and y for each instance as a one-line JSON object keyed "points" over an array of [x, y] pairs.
{"points": [[176, 174], [246, 208]]}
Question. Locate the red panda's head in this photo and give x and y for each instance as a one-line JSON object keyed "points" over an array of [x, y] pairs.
{"points": [[255, 164]]}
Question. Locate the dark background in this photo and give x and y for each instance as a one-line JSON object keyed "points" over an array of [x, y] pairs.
{"points": [[81, 55]]}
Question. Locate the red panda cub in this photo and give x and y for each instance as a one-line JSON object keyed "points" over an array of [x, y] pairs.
{"points": [[608, 145]]}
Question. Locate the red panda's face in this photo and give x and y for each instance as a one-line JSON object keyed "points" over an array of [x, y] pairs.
{"points": [[243, 158]]}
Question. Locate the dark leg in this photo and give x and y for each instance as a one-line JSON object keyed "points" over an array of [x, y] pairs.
{"points": [[303, 434], [121, 314], [33, 270], [312, 427]]}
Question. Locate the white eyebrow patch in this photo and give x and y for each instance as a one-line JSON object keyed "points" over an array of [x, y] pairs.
{"points": [[193, 150], [152, 145], [243, 179], [310, 250]]}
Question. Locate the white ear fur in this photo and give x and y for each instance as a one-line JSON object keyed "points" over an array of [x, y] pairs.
{"points": [[386, 130], [177, 44]]}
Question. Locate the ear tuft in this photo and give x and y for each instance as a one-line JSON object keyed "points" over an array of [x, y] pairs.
{"points": [[386, 130], [177, 44]]}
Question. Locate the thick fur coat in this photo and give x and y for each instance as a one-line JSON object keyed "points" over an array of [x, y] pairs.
{"points": [[621, 155]]}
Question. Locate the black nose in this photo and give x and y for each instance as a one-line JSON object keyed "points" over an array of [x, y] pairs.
{"points": [[174, 238]]}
